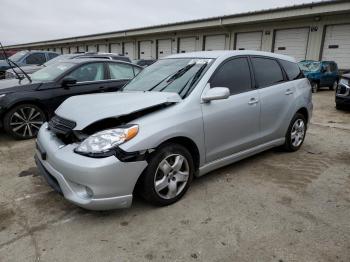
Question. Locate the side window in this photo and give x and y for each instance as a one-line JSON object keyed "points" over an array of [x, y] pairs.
{"points": [[120, 71], [292, 70], [88, 72], [36, 59], [333, 67], [267, 71], [52, 55], [233, 74], [326, 67], [137, 70]]}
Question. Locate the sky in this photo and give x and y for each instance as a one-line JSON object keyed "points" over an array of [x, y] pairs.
{"points": [[24, 21]]}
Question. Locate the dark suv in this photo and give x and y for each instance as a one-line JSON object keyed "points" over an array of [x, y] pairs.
{"points": [[27, 58], [342, 95]]}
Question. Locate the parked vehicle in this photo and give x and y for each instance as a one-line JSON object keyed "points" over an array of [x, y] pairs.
{"points": [[23, 58], [145, 62], [342, 94], [185, 115], [26, 104], [30, 69], [320, 74]]}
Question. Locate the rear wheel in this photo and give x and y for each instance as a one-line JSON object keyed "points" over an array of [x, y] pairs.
{"points": [[168, 175], [296, 133], [23, 121], [315, 87]]}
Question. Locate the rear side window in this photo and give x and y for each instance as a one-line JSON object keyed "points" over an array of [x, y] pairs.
{"points": [[267, 72], [120, 71], [233, 74], [292, 70], [36, 59], [88, 72]]}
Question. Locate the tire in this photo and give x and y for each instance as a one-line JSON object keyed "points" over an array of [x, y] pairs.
{"points": [[339, 107], [315, 87], [334, 86], [296, 133], [23, 121], [171, 188]]}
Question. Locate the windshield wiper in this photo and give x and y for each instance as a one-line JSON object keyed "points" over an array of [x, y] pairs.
{"points": [[175, 76], [195, 78]]}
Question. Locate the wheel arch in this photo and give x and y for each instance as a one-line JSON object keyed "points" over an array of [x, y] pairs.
{"points": [[304, 112], [29, 101]]}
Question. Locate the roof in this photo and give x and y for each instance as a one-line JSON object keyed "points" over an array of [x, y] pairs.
{"points": [[229, 53], [310, 6]]}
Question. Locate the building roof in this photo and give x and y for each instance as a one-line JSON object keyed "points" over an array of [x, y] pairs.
{"points": [[311, 9]]}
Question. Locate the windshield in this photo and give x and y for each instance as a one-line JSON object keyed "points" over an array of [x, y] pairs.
{"points": [[51, 72], [18, 56], [169, 75], [309, 66]]}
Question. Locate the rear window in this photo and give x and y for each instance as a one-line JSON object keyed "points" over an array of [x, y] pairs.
{"points": [[292, 70], [267, 72]]}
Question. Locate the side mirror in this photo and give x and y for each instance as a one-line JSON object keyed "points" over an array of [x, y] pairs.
{"points": [[68, 81], [216, 93]]}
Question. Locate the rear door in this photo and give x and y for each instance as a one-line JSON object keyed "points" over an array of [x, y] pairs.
{"points": [[276, 97], [231, 125]]}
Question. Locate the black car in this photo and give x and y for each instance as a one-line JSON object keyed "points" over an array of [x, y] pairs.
{"points": [[342, 94], [24, 58], [26, 104], [30, 69]]}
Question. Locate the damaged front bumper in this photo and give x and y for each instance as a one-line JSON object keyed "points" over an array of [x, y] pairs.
{"points": [[96, 184]]}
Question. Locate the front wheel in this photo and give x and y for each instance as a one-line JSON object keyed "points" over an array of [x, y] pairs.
{"points": [[24, 121], [314, 87], [296, 133], [168, 175]]}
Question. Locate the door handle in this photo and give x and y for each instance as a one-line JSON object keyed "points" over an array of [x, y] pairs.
{"points": [[253, 101], [289, 92]]}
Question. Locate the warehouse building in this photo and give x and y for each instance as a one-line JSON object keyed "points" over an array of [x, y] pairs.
{"points": [[314, 31]]}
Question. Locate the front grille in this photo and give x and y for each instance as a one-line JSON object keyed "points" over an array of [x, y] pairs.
{"points": [[60, 125]]}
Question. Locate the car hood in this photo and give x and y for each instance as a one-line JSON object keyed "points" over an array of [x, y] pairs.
{"points": [[88, 109], [11, 85]]}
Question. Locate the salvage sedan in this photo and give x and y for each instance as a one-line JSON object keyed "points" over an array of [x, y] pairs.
{"points": [[26, 104], [181, 117]]}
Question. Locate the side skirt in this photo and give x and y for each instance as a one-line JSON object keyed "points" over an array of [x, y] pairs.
{"points": [[238, 156]]}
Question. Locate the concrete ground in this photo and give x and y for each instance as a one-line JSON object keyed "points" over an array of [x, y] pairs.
{"points": [[275, 206]]}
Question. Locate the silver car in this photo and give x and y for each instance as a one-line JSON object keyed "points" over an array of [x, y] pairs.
{"points": [[184, 116]]}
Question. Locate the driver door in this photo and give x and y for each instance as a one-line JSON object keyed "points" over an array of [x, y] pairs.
{"points": [[232, 125]]}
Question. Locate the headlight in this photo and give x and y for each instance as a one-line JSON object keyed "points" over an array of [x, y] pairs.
{"points": [[102, 144]]}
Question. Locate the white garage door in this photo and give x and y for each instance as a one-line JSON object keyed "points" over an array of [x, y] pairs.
{"points": [[164, 47], [129, 50], [249, 41], [214, 42], [65, 50], [116, 48], [82, 48], [92, 48], [73, 49], [102, 48], [145, 51], [337, 45], [292, 42], [187, 44]]}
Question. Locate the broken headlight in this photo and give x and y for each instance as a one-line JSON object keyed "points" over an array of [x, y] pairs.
{"points": [[102, 144]]}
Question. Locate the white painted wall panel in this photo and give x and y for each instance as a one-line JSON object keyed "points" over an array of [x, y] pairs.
{"points": [[164, 47], [187, 44], [249, 41], [215, 42]]}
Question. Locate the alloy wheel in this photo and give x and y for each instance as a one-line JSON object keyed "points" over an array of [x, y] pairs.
{"points": [[298, 132], [171, 176], [26, 121]]}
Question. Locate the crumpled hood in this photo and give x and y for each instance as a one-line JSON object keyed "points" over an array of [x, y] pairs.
{"points": [[87, 109]]}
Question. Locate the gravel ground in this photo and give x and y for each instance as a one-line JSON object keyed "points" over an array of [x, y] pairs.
{"points": [[275, 206]]}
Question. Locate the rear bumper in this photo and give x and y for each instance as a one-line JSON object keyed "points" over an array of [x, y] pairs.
{"points": [[95, 184]]}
